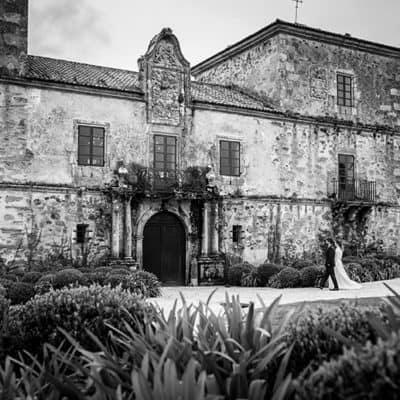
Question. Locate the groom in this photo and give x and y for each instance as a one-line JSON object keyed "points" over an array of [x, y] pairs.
{"points": [[330, 265]]}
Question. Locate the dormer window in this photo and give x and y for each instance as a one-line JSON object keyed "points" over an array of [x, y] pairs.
{"points": [[345, 95]]}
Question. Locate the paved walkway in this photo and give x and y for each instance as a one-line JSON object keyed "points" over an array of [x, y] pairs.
{"points": [[194, 295]]}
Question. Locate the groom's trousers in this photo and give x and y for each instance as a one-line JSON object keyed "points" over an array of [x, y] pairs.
{"points": [[329, 272]]}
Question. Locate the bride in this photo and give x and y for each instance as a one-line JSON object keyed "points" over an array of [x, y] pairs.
{"points": [[343, 280]]}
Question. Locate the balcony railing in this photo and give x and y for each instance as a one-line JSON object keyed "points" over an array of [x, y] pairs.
{"points": [[354, 190], [156, 181]]}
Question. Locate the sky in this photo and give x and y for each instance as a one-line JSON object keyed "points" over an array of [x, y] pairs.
{"points": [[115, 33]]}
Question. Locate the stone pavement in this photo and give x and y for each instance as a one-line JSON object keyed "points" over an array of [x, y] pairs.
{"points": [[194, 295]]}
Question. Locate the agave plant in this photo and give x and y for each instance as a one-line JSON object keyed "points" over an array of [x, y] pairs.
{"points": [[190, 354]]}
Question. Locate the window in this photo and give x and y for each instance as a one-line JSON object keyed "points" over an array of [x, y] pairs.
{"points": [[165, 153], [229, 158], [346, 177], [236, 230], [81, 233], [344, 90], [90, 146]]}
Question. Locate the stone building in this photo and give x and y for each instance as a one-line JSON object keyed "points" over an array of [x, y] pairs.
{"points": [[252, 153]]}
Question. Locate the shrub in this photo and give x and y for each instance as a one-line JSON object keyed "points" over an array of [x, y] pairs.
{"points": [[266, 270], [234, 275], [95, 277], [74, 310], [303, 263], [355, 271], [19, 292], [103, 270], [289, 278], [141, 283], [313, 344], [67, 277], [31, 277], [309, 276], [146, 282], [119, 271], [351, 259], [115, 280], [372, 373], [250, 278], [274, 282], [44, 284], [187, 354]]}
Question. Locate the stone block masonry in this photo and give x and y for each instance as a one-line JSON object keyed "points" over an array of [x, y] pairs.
{"points": [[14, 36], [27, 212]]}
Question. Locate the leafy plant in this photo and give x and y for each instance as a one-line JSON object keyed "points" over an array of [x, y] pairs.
{"points": [[314, 339], [288, 277], [309, 276], [75, 310], [235, 272], [250, 278], [370, 373], [266, 271]]}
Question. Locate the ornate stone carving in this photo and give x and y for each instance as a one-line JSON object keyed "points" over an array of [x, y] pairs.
{"points": [[165, 76], [318, 83], [165, 55], [166, 96]]}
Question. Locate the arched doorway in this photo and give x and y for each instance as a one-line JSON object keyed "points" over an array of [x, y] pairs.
{"points": [[164, 248]]}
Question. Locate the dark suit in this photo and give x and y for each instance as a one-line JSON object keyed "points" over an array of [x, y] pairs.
{"points": [[329, 265]]}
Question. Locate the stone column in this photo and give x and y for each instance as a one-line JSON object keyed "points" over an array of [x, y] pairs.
{"points": [[128, 228], [214, 229], [116, 207], [205, 233]]}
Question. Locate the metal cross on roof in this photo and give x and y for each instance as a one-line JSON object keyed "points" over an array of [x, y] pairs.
{"points": [[297, 6]]}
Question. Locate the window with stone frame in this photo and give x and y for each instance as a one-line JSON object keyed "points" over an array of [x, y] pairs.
{"points": [[236, 234], [165, 154], [81, 231], [345, 95], [90, 145], [229, 158]]}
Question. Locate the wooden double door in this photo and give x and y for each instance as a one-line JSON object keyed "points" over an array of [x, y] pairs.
{"points": [[164, 248]]}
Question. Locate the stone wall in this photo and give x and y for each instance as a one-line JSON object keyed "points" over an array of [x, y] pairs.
{"points": [[39, 141], [49, 217], [273, 231], [299, 75], [292, 160], [14, 36]]}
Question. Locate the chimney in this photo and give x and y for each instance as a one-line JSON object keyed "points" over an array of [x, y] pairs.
{"points": [[13, 36]]}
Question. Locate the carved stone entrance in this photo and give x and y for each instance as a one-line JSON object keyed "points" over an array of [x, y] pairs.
{"points": [[164, 248]]}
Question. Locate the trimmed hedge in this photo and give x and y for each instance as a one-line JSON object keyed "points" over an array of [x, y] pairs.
{"points": [[141, 283], [302, 263], [372, 373], [287, 278], [75, 310], [309, 276], [18, 292], [266, 271], [234, 275], [313, 345]]}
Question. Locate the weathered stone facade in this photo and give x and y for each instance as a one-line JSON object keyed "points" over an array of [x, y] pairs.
{"points": [[282, 111]]}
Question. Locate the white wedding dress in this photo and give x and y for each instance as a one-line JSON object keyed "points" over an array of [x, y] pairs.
{"points": [[343, 280]]}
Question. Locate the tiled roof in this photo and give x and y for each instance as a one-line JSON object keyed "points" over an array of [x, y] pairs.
{"points": [[73, 73], [62, 71], [229, 96]]}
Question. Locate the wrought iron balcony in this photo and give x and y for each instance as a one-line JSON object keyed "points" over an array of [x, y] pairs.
{"points": [[353, 190], [157, 181]]}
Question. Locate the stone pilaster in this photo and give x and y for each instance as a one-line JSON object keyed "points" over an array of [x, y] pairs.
{"points": [[214, 229], [205, 233], [115, 229], [128, 228]]}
